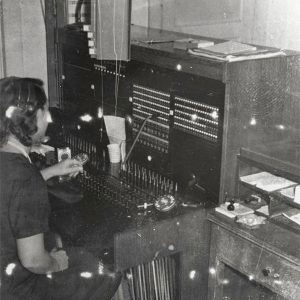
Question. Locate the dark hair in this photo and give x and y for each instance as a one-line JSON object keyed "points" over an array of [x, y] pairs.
{"points": [[20, 98]]}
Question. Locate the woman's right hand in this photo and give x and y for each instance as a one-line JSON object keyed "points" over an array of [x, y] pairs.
{"points": [[61, 258], [68, 166]]}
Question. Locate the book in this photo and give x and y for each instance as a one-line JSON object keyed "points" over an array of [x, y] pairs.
{"points": [[239, 210], [190, 43]]}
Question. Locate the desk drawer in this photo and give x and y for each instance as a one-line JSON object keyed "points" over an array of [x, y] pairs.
{"points": [[260, 265]]}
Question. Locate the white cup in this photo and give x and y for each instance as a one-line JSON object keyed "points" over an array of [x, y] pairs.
{"points": [[114, 152]]}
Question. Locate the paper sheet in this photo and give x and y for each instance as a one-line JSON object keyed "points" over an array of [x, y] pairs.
{"points": [[115, 127]]}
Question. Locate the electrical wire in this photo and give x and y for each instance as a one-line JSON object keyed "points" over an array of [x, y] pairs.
{"points": [[43, 11], [116, 56]]}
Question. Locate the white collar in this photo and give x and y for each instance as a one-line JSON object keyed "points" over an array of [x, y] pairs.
{"points": [[21, 149]]}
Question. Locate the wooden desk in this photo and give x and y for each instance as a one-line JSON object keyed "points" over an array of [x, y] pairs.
{"points": [[137, 238], [264, 263]]}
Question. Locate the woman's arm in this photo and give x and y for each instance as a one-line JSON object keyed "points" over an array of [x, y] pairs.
{"points": [[36, 259], [65, 167]]}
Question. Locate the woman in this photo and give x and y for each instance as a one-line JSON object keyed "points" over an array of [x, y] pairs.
{"points": [[28, 270]]}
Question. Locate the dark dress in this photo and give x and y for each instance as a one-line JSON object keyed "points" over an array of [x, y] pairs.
{"points": [[25, 210]]}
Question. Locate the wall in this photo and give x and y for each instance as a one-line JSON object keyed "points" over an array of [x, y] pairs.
{"points": [[272, 23], [140, 12], [24, 39], [265, 22]]}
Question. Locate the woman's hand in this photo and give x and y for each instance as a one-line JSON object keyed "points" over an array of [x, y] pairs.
{"points": [[34, 257], [61, 259], [67, 166]]}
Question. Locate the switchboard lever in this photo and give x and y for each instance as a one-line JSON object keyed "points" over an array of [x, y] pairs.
{"points": [[153, 116]]}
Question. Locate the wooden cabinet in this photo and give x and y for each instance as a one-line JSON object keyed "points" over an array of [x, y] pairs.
{"points": [[184, 238], [253, 264]]}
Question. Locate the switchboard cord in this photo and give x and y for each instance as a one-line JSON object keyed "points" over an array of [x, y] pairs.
{"points": [[78, 11], [116, 56], [117, 64], [101, 53], [43, 10], [118, 69]]}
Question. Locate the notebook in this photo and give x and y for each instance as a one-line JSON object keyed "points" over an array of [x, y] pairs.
{"points": [[190, 43], [239, 210]]}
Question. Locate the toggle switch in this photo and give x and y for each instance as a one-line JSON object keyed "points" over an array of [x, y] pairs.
{"points": [[92, 51], [86, 27]]}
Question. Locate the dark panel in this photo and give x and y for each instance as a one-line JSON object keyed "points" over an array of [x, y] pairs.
{"points": [[51, 40], [112, 87], [74, 47], [197, 132], [78, 88]]}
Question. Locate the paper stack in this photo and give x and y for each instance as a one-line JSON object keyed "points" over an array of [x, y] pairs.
{"points": [[115, 127], [293, 215]]}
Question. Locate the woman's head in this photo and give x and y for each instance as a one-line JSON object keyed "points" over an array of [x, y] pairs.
{"points": [[22, 104]]}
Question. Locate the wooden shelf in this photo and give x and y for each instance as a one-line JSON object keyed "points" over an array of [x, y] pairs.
{"points": [[280, 166], [275, 165]]}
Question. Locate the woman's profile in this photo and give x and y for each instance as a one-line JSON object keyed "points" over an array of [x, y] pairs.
{"points": [[28, 269]]}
